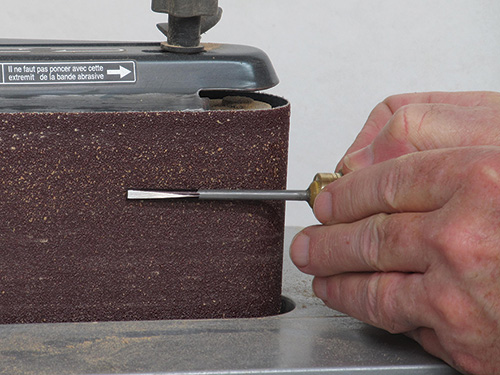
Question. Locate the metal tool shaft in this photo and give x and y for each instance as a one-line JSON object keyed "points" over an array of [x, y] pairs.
{"points": [[320, 181], [288, 195]]}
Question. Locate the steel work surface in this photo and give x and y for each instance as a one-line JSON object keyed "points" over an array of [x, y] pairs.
{"points": [[311, 339]]}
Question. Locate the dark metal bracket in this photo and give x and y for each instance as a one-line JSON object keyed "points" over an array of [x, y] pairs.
{"points": [[187, 20]]}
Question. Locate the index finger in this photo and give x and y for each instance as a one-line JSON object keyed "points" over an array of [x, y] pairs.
{"points": [[418, 182]]}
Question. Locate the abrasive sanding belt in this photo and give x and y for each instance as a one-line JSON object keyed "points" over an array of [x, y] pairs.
{"points": [[73, 248]]}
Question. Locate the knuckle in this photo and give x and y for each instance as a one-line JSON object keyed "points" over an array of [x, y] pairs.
{"points": [[390, 99], [464, 247], [484, 175], [381, 304], [397, 128], [407, 119], [448, 306], [372, 300], [394, 102], [383, 238], [390, 186], [467, 236], [454, 240], [406, 133], [372, 238]]}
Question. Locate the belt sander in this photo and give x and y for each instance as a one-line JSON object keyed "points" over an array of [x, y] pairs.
{"points": [[145, 181], [82, 124]]}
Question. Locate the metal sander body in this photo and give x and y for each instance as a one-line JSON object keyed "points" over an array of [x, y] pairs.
{"points": [[52, 76], [80, 123]]}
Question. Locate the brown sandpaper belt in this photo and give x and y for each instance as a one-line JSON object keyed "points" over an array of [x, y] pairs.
{"points": [[72, 248]]}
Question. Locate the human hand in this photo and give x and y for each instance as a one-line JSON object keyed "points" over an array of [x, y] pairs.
{"points": [[410, 243]]}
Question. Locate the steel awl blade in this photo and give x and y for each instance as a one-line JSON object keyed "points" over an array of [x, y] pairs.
{"points": [[146, 194]]}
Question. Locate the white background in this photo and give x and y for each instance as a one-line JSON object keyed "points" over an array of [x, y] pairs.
{"points": [[336, 59]]}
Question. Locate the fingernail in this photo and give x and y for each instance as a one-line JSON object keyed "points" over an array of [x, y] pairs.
{"points": [[299, 250], [323, 207], [320, 288], [359, 159]]}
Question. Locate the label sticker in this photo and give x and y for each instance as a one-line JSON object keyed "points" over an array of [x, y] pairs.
{"points": [[50, 73]]}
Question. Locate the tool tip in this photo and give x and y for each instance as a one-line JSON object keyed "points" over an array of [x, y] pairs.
{"points": [[145, 194]]}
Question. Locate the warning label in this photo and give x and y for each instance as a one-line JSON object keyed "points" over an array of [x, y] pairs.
{"points": [[20, 73]]}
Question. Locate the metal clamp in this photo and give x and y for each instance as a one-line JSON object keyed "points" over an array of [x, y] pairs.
{"points": [[187, 20]]}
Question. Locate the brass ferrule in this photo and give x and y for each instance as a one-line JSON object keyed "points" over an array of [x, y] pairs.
{"points": [[321, 180]]}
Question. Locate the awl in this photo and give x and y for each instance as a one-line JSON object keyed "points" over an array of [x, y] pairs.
{"points": [[320, 181]]}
